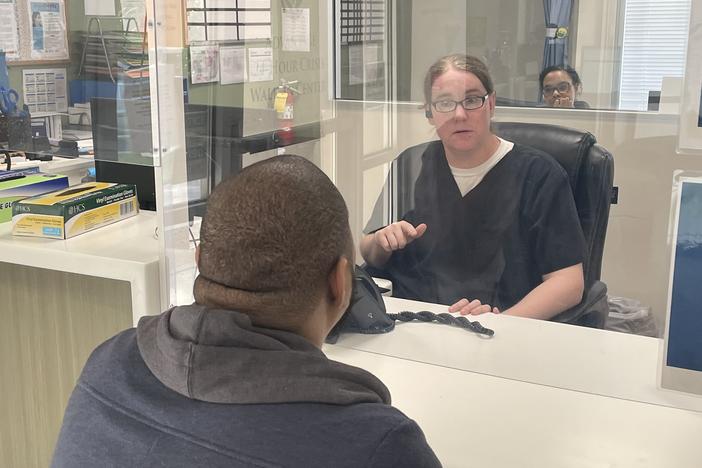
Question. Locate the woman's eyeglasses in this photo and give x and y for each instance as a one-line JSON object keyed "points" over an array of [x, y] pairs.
{"points": [[469, 103], [562, 87]]}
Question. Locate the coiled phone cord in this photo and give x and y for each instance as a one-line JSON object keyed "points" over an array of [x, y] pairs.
{"points": [[445, 318]]}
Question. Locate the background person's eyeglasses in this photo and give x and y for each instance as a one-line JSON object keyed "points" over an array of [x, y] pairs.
{"points": [[562, 87], [469, 103]]}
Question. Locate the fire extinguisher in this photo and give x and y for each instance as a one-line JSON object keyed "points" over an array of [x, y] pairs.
{"points": [[284, 106]]}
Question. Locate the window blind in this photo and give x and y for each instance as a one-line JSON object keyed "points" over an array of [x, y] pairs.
{"points": [[362, 21], [228, 20], [653, 47]]}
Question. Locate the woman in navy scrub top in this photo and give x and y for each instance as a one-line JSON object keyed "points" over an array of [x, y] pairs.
{"points": [[491, 225]]}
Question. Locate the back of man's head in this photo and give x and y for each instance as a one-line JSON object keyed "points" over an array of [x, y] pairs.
{"points": [[269, 239]]}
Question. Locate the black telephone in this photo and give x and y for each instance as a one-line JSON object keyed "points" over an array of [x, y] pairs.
{"points": [[366, 313]]}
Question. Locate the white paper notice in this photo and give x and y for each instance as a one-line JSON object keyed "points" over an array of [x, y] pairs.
{"points": [[232, 65], [204, 64], [296, 29], [9, 41], [100, 7], [373, 64], [48, 27], [138, 138], [45, 90], [260, 64], [355, 64], [133, 9]]}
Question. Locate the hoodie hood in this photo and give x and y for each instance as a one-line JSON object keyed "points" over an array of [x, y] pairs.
{"points": [[219, 356]]}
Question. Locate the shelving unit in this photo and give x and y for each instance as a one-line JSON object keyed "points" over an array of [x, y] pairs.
{"points": [[112, 48]]}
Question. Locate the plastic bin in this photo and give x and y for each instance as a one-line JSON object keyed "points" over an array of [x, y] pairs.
{"points": [[630, 316]]}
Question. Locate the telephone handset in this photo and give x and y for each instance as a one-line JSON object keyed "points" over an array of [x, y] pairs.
{"points": [[366, 313]]}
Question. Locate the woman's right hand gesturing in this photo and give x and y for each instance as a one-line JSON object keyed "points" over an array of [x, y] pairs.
{"points": [[397, 235], [377, 248]]}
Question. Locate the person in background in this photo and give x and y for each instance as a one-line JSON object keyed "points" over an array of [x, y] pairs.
{"points": [[560, 86], [483, 224], [238, 379]]}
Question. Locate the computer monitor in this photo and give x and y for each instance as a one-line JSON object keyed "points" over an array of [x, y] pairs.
{"points": [[212, 140], [681, 366], [111, 162], [215, 139]]}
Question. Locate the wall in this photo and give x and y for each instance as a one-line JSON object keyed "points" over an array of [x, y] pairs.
{"points": [[509, 35], [597, 51]]}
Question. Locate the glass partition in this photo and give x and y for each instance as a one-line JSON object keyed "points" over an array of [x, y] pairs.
{"points": [[74, 78], [627, 55], [243, 81], [342, 83]]}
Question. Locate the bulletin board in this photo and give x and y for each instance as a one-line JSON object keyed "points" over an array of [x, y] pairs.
{"points": [[37, 32]]}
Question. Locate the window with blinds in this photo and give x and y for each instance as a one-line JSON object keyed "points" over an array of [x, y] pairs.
{"points": [[228, 20], [362, 21], [653, 47]]}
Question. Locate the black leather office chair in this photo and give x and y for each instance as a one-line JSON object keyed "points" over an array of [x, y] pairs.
{"points": [[590, 169]]}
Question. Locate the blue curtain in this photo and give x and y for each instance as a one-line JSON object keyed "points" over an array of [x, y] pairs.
{"points": [[557, 16]]}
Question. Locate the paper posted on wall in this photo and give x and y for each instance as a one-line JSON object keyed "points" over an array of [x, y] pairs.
{"points": [[232, 67], [45, 90], [9, 39], [204, 64], [135, 9], [260, 64], [48, 27], [99, 7], [296, 29]]}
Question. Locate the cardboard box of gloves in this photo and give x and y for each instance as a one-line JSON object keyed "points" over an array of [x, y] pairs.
{"points": [[16, 185], [67, 213]]}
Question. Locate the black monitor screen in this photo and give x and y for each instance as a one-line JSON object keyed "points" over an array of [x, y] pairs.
{"points": [[118, 156], [122, 143]]}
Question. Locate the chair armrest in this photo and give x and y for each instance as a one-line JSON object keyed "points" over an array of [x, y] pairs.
{"points": [[592, 310]]}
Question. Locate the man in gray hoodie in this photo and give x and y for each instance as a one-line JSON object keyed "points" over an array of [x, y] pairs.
{"points": [[237, 379]]}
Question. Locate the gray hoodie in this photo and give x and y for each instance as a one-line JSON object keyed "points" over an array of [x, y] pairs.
{"points": [[202, 387]]}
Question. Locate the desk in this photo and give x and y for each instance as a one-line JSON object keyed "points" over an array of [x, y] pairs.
{"points": [[60, 299], [472, 419], [546, 353], [74, 168], [124, 251]]}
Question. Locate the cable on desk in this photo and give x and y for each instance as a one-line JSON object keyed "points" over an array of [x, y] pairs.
{"points": [[445, 318]]}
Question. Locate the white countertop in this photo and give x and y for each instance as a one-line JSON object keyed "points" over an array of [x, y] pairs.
{"points": [[126, 250], [546, 353], [471, 419], [74, 168]]}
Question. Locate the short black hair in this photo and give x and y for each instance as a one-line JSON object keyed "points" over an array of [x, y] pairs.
{"points": [[269, 239], [575, 78]]}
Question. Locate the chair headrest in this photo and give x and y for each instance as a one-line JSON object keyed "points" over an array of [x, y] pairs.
{"points": [[567, 145]]}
